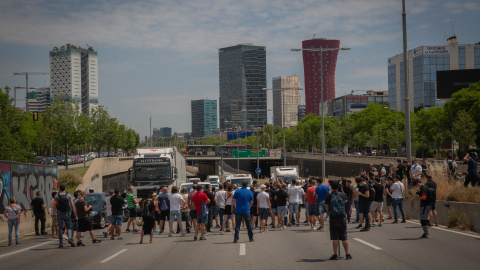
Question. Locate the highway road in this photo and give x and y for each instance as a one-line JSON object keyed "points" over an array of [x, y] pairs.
{"points": [[393, 246]]}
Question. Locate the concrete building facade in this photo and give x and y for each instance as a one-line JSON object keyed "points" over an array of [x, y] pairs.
{"points": [[204, 118], [286, 99]]}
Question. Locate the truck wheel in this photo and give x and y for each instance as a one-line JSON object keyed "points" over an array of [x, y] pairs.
{"points": [[103, 222]]}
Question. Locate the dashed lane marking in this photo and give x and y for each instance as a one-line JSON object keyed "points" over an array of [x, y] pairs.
{"points": [[113, 256], [242, 249], [368, 244], [25, 249]]}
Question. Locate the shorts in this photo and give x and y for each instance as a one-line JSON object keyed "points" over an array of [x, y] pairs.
{"points": [[84, 225], [432, 206], [363, 207], [201, 220], [313, 210], [274, 211], [175, 214], [193, 214], [73, 224], [157, 216], [338, 229], [322, 209], [293, 207], [376, 206], [228, 210], [307, 208], [264, 212], [253, 211], [164, 215], [133, 212], [282, 211], [116, 220], [54, 219], [389, 201], [215, 210]]}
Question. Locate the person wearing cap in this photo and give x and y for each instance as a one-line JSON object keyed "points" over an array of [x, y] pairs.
{"points": [[109, 212], [263, 207]]}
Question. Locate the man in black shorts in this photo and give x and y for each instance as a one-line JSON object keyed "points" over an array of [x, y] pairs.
{"points": [[84, 223], [335, 205], [163, 206]]}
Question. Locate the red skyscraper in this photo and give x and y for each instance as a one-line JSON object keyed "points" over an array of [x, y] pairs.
{"points": [[312, 71]]}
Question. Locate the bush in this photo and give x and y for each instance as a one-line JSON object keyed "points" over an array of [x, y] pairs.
{"points": [[69, 178], [459, 221]]}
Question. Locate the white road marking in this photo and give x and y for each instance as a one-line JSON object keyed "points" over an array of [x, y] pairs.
{"points": [[113, 256], [447, 230], [25, 249], [242, 249], [368, 244]]}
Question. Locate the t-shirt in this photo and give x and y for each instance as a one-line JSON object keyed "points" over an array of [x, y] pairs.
{"points": [[190, 197], [185, 198], [37, 203], [130, 202], [401, 170], [432, 184], [416, 169], [282, 198], [322, 192], [243, 197], [387, 186], [423, 195], [311, 195], [472, 166], [109, 206], [328, 201], [211, 197], [117, 203], [378, 192], [220, 198], [229, 198], [80, 206], [295, 194], [273, 201], [263, 199], [363, 188], [163, 197], [254, 193], [197, 200], [12, 212], [397, 190], [175, 200]]}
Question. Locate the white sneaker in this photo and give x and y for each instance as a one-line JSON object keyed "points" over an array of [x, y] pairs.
{"points": [[222, 232], [183, 234]]}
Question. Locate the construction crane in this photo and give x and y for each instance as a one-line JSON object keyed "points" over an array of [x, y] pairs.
{"points": [[29, 73], [15, 95]]}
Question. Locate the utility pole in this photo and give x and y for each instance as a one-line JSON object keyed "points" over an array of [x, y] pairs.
{"points": [[405, 79]]}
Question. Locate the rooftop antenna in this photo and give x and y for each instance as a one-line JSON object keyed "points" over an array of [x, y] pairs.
{"points": [[446, 36], [313, 36]]}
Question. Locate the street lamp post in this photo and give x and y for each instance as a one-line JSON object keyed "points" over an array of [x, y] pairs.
{"points": [[408, 139], [321, 50], [151, 141]]}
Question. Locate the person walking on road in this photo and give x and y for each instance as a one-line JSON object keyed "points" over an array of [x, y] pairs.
{"points": [[116, 219], [263, 208], [377, 204], [472, 176], [53, 214], [201, 203], [363, 191], [12, 214], [242, 202], [163, 206], [282, 200], [191, 205], [397, 190], [228, 210], [148, 216], [132, 209], [177, 203], [65, 208], [111, 193], [84, 223], [321, 193], [220, 203], [433, 212], [211, 197], [38, 207], [296, 196], [335, 204], [425, 194], [311, 204]]}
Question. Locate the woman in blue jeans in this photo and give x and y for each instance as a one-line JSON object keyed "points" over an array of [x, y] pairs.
{"points": [[12, 213]]}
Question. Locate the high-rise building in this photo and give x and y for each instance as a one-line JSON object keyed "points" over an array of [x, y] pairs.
{"points": [[38, 100], [242, 77], [204, 117], [74, 75], [312, 70], [165, 132], [348, 104], [286, 99], [423, 64], [301, 112]]}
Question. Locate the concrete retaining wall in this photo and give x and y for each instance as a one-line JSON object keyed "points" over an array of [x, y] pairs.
{"points": [[101, 168]]}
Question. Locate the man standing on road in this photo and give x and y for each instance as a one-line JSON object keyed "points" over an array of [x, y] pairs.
{"points": [[416, 171], [363, 191], [425, 195], [335, 204], [321, 193], [220, 203], [388, 196], [397, 190], [295, 195], [202, 218], [263, 208], [273, 202], [84, 223], [191, 205], [377, 204], [111, 193], [116, 219], [433, 212], [472, 176], [63, 203], [211, 198], [311, 204], [38, 207], [163, 205], [282, 199], [132, 208], [242, 202]]}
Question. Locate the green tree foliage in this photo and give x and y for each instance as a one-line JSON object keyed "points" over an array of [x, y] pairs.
{"points": [[464, 130]]}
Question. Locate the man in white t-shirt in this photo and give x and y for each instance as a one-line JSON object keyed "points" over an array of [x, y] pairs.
{"points": [[109, 212], [220, 203], [397, 190], [295, 197], [416, 171], [263, 207], [177, 203]]}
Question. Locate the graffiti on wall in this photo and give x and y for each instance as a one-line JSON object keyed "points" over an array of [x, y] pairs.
{"points": [[22, 181]]}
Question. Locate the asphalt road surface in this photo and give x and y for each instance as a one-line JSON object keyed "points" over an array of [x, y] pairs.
{"points": [[393, 246]]}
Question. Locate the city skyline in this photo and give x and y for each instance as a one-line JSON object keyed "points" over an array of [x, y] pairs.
{"points": [[156, 56]]}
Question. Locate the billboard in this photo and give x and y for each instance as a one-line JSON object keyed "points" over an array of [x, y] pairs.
{"points": [[450, 81], [233, 135]]}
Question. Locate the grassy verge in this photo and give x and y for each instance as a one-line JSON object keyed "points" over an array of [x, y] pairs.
{"points": [[71, 178]]}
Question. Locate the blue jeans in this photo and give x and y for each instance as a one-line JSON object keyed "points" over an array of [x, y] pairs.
{"points": [[347, 209], [61, 217], [357, 218], [11, 223], [210, 218], [238, 222], [399, 203], [220, 215]]}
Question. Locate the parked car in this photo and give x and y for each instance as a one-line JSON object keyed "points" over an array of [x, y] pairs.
{"points": [[98, 214], [51, 161], [60, 160]]}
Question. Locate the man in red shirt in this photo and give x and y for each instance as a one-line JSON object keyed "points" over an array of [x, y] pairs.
{"points": [[202, 218], [312, 204]]}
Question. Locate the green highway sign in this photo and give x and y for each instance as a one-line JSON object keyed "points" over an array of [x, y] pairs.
{"points": [[248, 153]]}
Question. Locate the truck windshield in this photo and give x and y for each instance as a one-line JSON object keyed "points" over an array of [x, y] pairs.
{"points": [[287, 179], [149, 173], [239, 181]]}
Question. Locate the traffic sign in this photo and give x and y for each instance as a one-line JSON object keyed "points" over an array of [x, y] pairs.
{"points": [[258, 170], [306, 170]]}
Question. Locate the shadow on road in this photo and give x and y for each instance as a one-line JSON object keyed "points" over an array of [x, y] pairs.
{"points": [[311, 260], [406, 239]]}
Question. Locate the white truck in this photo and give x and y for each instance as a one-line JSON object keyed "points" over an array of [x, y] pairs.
{"points": [[239, 178], [157, 166], [284, 174]]}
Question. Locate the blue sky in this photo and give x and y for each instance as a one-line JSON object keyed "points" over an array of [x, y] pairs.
{"points": [[156, 56]]}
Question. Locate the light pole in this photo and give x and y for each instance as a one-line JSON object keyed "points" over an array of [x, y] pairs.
{"points": [[408, 139], [321, 50], [151, 132]]}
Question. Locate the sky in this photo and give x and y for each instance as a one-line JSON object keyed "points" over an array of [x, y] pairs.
{"points": [[156, 56]]}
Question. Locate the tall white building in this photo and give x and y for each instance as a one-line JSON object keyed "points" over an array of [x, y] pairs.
{"points": [[286, 96], [74, 75]]}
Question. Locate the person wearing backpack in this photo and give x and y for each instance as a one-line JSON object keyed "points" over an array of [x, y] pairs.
{"points": [[201, 202], [335, 205], [63, 204], [425, 194], [148, 216], [163, 204]]}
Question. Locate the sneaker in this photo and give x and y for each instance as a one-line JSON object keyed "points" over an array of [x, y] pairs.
{"points": [[217, 226], [60, 246], [70, 241], [156, 231], [44, 233], [312, 228], [195, 238], [289, 224], [374, 225], [182, 234], [170, 235], [251, 240], [37, 233], [395, 222], [404, 221], [9, 245], [380, 225], [80, 244], [436, 224], [203, 238], [322, 229], [298, 224], [430, 225], [135, 230], [348, 257], [390, 218], [96, 241], [222, 232], [235, 241], [127, 230], [354, 222], [319, 228], [18, 244], [105, 234], [333, 258], [425, 236], [359, 226], [188, 230], [365, 230]]}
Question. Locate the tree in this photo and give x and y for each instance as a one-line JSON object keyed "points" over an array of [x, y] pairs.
{"points": [[99, 120], [464, 130]]}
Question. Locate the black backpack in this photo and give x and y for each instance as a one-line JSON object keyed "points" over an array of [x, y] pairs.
{"points": [[430, 193], [371, 194], [337, 207], [146, 208], [63, 203]]}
